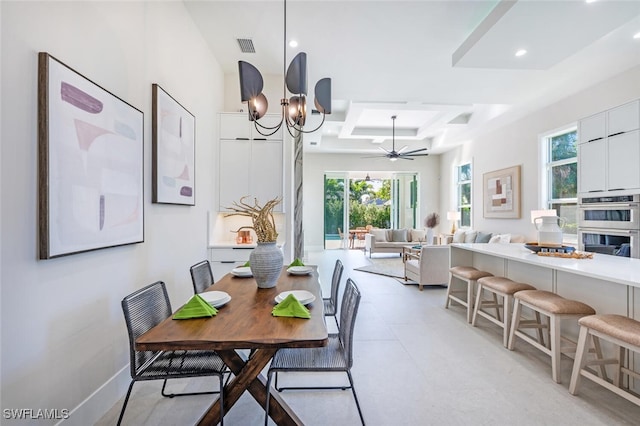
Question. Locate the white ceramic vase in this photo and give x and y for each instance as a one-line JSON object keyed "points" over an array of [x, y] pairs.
{"points": [[266, 264], [429, 236]]}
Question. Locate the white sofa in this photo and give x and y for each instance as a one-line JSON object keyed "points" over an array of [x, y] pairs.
{"points": [[392, 240], [431, 268]]}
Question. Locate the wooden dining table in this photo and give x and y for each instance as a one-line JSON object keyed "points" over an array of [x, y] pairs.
{"points": [[245, 322]]}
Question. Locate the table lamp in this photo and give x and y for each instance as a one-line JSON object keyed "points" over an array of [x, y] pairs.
{"points": [[453, 217]]}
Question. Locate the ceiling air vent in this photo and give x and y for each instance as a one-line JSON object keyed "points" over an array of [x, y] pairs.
{"points": [[246, 45]]}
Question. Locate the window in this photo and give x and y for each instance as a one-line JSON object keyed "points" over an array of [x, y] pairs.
{"points": [[464, 193], [561, 176]]}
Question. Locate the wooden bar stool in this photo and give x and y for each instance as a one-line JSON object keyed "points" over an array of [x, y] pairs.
{"points": [[497, 286], [469, 275], [623, 332], [555, 308]]}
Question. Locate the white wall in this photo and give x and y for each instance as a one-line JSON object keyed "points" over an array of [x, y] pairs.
{"points": [[63, 334], [517, 144], [315, 166]]}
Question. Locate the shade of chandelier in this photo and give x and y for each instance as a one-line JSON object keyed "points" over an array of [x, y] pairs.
{"points": [[293, 109]]}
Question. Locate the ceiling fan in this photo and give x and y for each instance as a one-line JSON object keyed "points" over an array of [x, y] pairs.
{"points": [[393, 155]]}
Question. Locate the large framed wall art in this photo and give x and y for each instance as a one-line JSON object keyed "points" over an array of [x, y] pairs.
{"points": [[90, 164], [502, 193], [173, 134]]}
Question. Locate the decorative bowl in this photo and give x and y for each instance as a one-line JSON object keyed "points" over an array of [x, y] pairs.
{"points": [[534, 247]]}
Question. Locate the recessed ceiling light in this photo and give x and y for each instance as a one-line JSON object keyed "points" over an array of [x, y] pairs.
{"points": [[293, 43], [521, 52], [636, 35]]}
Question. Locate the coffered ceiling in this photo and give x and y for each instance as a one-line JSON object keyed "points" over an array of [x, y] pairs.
{"points": [[447, 69]]}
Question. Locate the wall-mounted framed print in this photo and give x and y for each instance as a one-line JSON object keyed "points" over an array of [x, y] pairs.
{"points": [[90, 164], [174, 156], [501, 190]]}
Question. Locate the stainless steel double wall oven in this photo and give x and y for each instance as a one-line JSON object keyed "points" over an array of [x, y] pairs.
{"points": [[610, 225]]}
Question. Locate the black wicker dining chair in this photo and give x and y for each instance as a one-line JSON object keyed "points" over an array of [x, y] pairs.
{"points": [[201, 276], [336, 356], [143, 310], [331, 303]]}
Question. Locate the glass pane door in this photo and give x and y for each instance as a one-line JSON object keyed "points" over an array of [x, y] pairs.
{"points": [[335, 236]]}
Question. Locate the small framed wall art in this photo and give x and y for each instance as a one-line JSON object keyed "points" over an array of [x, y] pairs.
{"points": [[174, 157], [502, 193], [90, 164]]}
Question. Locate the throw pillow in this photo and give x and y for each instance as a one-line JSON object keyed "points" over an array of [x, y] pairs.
{"points": [[418, 235], [483, 237], [470, 236], [458, 236], [495, 239], [379, 234], [399, 235], [501, 238]]}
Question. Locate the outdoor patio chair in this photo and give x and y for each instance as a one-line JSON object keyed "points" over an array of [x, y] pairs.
{"points": [[336, 356], [143, 310]]}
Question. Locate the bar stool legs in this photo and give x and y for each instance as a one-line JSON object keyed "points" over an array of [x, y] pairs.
{"points": [[555, 308], [623, 332], [469, 275], [505, 288]]}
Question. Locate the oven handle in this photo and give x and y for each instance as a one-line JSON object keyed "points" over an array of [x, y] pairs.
{"points": [[611, 206], [609, 231]]}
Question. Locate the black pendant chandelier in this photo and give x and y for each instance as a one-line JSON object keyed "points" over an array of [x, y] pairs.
{"points": [[294, 109]]}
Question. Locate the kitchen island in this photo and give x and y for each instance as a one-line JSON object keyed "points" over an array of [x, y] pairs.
{"points": [[610, 284]]}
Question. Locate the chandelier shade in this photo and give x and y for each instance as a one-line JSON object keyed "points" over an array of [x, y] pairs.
{"points": [[323, 96], [297, 75], [251, 82]]}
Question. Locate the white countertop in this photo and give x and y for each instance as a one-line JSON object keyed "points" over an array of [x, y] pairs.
{"points": [[622, 270], [232, 245]]}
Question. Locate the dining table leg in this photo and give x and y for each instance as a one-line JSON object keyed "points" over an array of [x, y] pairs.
{"points": [[248, 377]]}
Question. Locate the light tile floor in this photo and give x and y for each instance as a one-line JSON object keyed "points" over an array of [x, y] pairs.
{"points": [[415, 363]]}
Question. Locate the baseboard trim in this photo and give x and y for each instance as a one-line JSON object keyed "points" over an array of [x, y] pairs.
{"points": [[95, 406]]}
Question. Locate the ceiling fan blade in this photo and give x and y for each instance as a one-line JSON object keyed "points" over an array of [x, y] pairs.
{"points": [[402, 149], [385, 150], [404, 157], [414, 155], [415, 150]]}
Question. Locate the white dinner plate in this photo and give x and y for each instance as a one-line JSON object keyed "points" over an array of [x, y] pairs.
{"points": [[216, 298], [300, 270], [242, 271], [305, 297]]}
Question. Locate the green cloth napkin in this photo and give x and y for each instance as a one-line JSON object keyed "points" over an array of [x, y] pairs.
{"points": [[196, 307], [296, 262], [290, 307]]}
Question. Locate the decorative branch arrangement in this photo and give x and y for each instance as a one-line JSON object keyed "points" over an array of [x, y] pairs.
{"points": [[262, 217], [432, 220]]}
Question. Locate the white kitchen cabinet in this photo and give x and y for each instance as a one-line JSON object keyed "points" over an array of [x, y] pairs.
{"points": [[224, 258], [235, 161], [266, 171], [249, 166], [624, 118], [609, 150], [237, 126], [623, 160], [592, 166], [592, 128]]}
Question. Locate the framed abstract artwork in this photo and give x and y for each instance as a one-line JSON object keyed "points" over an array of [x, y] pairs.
{"points": [[173, 134], [90, 164], [502, 193]]}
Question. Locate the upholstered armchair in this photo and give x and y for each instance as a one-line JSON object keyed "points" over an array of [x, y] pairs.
{"points": [[429, 267]]}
